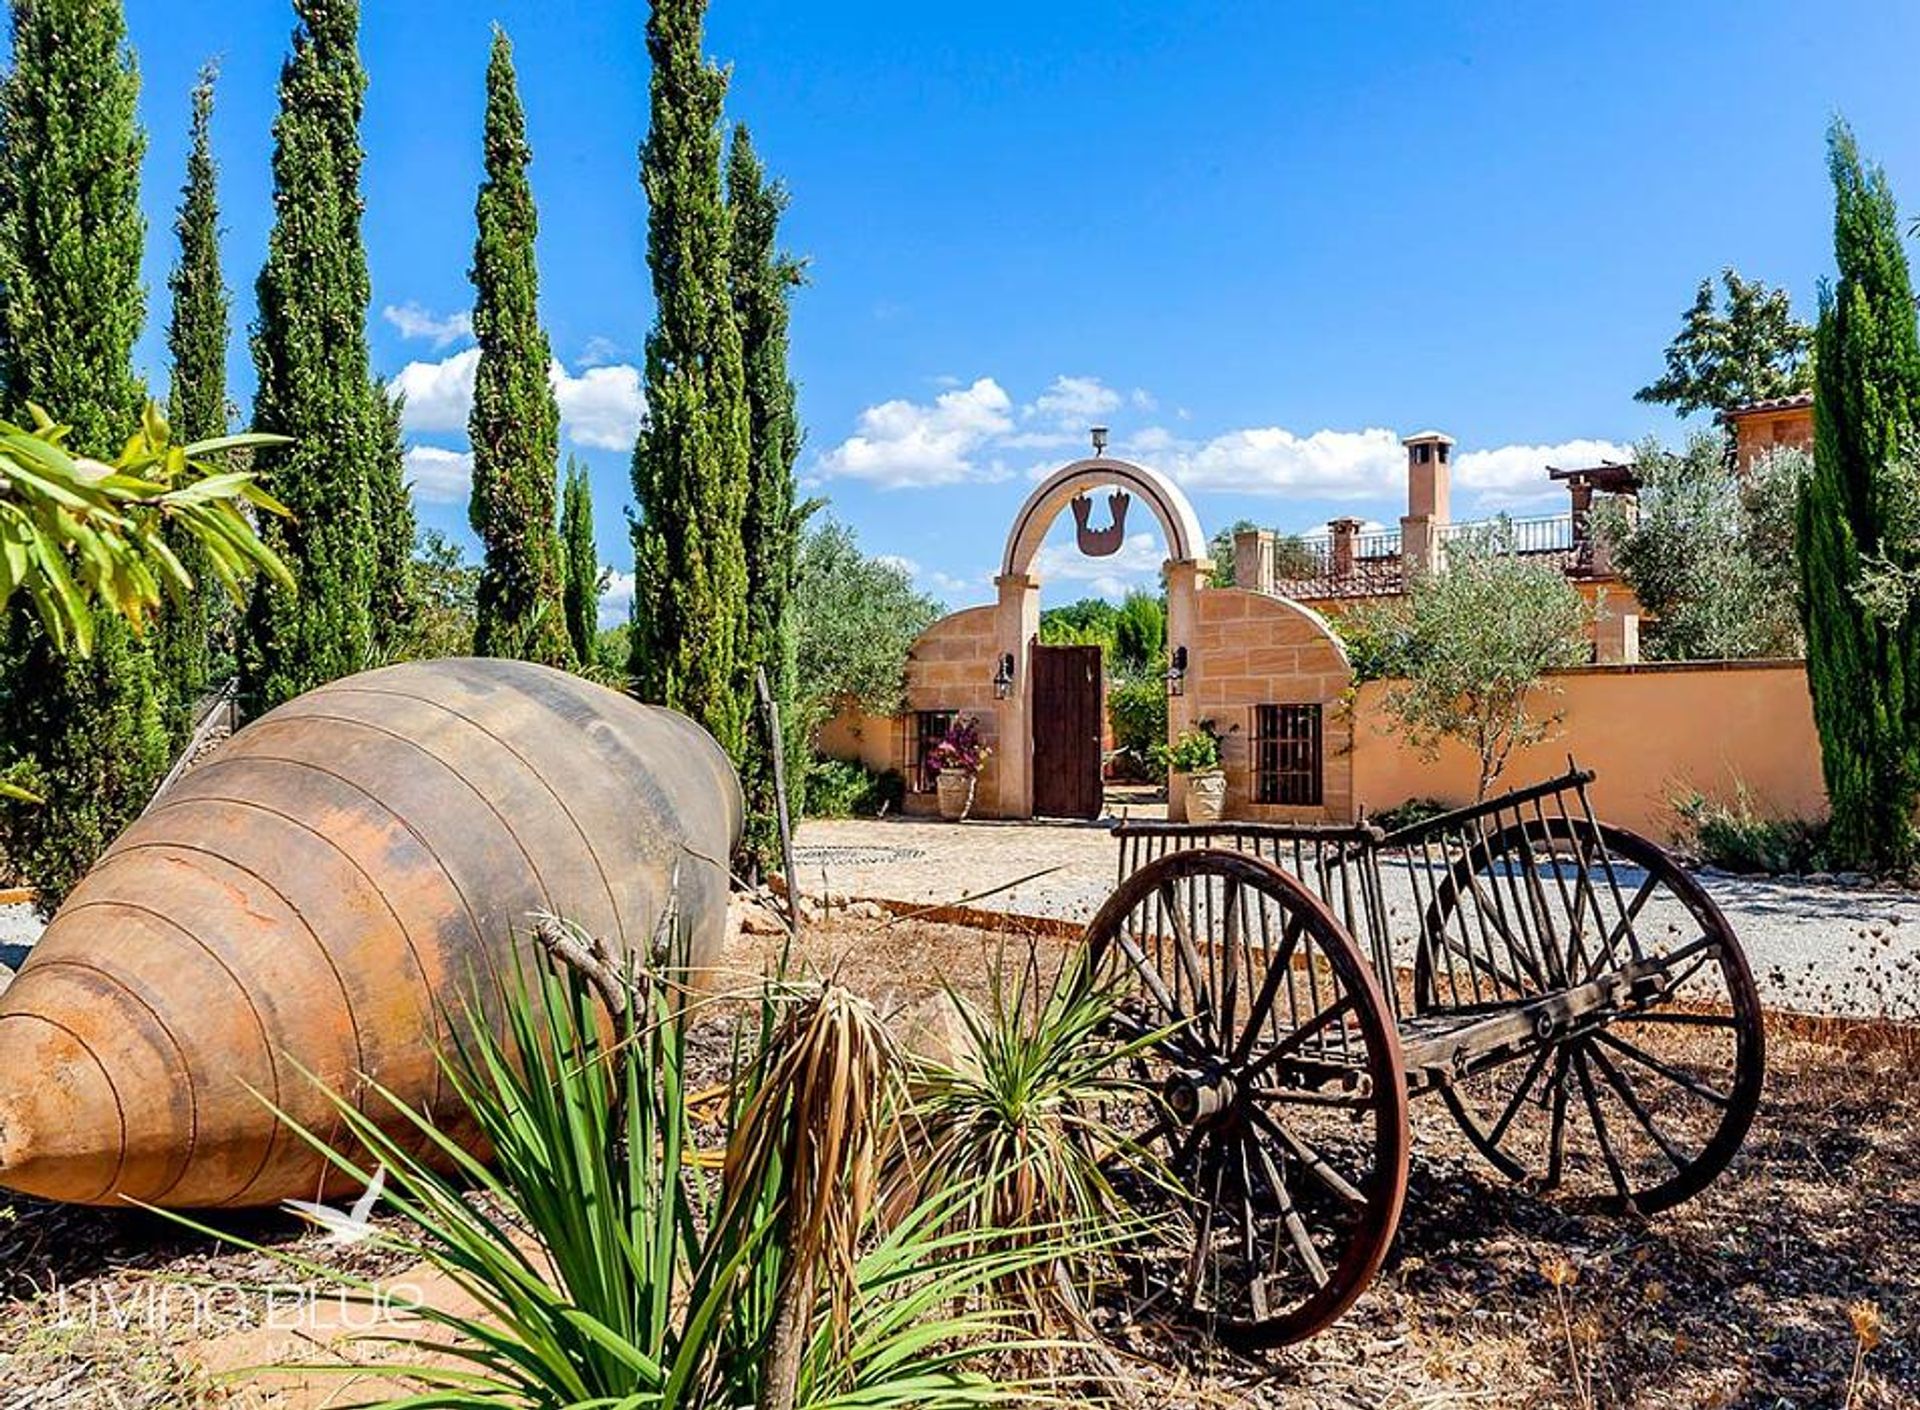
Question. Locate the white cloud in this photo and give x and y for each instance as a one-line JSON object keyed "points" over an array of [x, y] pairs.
{"points": [[439, 394], [948, 583], [1273, 460], [903, 444], [1075, 402], [416, 321], [602, 407], [599, 351], [1137, 564], [599, 409], [900, 561], [438, 475], [1510, 476], [616, 603]]}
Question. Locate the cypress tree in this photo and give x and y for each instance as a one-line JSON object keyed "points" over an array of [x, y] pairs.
{"points": [[514, 428], [763, 279], [91, 732], [394, 593], [196, 399], [310, 354], [580, 561], [690, 461], [1858, 504]]}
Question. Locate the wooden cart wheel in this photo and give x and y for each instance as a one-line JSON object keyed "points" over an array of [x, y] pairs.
{"points": [[1635, 1115], [1276, 1096]]}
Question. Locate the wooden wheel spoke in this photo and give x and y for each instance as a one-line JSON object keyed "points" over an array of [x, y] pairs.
{"points": [[1311, 1161], [1189, 959], [1518, 1099], [1300, 1036], [1290, 1219], [1666, 1070], [1630, 1099], [1150, 979], [1262, 1006], [1615, 1170], [1557, 1133], [1231, 928], [1211, 1171], [1308, 1096], [1165, 1044]]}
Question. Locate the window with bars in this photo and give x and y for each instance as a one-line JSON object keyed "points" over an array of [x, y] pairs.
{"points": [[925, 728], [1287, 755]]}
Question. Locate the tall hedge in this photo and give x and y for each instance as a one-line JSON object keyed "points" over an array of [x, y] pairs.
{"points": [[763, 281], [690, 461], [90, 734], [515, 425], [1858, 505], [314, 383], [197, 333]]}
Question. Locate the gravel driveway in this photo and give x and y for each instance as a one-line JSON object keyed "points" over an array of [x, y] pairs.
{"points": [[1815, 947]]}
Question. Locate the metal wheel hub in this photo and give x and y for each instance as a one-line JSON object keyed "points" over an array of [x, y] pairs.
{"points": [[1199, 1097]]}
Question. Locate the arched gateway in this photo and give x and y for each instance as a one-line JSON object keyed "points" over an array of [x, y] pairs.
{"points": [[1264, 671], [1053, 712]]}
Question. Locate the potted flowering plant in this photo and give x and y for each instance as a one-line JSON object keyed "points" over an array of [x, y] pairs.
{"points": [[958, 759], [1195, 752]]}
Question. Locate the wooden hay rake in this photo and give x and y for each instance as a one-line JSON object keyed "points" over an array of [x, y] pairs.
{"points": [[1575, 999]]}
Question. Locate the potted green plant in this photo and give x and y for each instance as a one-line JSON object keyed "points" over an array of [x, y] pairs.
{"points": [[957, 760], [1195, 752]]}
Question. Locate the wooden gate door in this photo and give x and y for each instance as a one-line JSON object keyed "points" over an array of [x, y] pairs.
{"points": [[1068, 706]]}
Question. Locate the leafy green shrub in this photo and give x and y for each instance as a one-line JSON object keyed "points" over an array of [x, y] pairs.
{"points": [[1138, 710], [1735, 837], [1194, 751], [841, 788], [1408, 812]]}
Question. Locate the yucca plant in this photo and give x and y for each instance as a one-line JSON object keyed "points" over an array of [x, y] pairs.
{"points": [[610, 1264], [1023, 1120]]}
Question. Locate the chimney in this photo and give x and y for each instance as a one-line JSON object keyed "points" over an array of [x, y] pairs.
{"points": [[1429, 498]]}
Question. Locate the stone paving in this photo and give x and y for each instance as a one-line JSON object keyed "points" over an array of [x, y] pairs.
{"points": [[1814, 946]]}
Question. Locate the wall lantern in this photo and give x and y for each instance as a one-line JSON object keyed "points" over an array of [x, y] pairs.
{"points": [[1177, 671], [1003, 677]]}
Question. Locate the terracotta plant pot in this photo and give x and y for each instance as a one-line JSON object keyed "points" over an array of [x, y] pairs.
{"points": [[1206, 796], [956, 795]]}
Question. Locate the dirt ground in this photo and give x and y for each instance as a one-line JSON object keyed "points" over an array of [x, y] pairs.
{"points": [[1747, 1296]]}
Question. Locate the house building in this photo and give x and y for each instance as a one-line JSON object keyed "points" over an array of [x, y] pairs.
{"points": [[1350, 563], [1761, 427], [1259, 663]]}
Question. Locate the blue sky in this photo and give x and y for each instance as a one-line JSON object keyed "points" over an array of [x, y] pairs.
{"points": [[1261, 241]]}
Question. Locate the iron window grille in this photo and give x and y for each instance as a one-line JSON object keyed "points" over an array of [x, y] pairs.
{"points": [[927, 728], [1287, 755]]}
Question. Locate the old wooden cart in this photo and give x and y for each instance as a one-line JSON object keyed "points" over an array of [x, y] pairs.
{"points": [[1574, 998]]}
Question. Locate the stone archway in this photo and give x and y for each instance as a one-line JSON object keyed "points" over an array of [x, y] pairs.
{"points": [[1017, 615]]}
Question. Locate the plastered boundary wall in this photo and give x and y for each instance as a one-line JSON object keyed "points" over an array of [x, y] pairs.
{"points": [[1652, 732]]}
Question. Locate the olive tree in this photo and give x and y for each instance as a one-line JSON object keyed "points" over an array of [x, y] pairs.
{"points": [[1709, 553], [1467, 648]]}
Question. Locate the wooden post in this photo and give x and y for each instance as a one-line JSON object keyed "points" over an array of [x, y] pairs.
{"points": [[777, 745]]}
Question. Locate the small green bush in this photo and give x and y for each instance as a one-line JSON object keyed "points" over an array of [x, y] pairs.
{"points": [[840, 788], [1194, 751], [1407, 813], [1735, 837]]}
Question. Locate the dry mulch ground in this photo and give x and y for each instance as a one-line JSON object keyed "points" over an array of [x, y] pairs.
{"points": [[1493, 1297]]}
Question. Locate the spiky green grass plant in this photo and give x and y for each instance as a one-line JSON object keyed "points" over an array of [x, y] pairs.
{"points": [[611, 1267], [1020, 1125]]}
